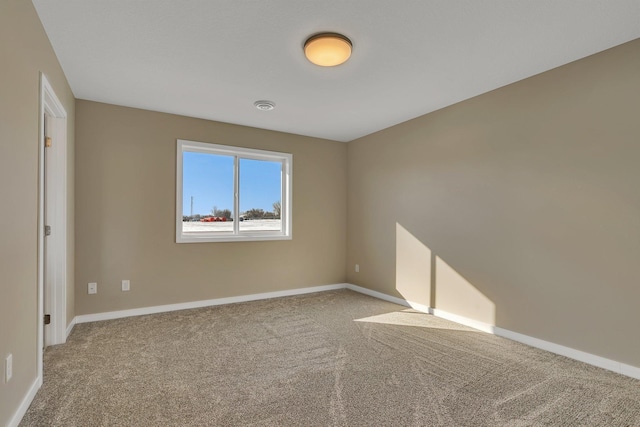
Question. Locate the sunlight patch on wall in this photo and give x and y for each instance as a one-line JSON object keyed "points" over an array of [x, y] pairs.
{"points": [[413, 268], [454, 294]]}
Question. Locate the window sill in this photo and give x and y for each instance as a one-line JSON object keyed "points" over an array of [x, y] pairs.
{"points": [[231, 238]]}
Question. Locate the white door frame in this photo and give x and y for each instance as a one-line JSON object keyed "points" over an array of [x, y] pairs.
{"points": [[54, 265]]}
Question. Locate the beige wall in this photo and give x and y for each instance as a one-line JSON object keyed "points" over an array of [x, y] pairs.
{"points": [[25, 52], [518, 207], [523, 205], [125, 214]]}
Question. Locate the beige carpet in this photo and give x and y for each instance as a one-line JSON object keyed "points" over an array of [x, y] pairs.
{"points": [[328, 359]]}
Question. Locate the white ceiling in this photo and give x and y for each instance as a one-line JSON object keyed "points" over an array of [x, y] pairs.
{"points": [[212, 59]]}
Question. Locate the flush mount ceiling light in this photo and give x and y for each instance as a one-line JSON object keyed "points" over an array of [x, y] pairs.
{"points": [[264, 105], [327, 49]]}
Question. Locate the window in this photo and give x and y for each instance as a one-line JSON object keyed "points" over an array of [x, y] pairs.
{"points": [[228, 194]]}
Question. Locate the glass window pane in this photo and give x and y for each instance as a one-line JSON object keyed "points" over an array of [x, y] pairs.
{"points": [[207, 193], [260, 195]]}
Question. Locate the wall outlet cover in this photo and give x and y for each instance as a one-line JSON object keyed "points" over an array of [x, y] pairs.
{"points": [[8, 368], [92, 288]]}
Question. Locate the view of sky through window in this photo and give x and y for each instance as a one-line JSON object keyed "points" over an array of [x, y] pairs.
{"points": [[208, 178]]}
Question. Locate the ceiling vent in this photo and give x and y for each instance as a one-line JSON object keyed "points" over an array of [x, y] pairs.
{"points": [[265, 105]]}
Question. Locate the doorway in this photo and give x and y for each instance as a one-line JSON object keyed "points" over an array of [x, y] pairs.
{"points": [[52, 220]]}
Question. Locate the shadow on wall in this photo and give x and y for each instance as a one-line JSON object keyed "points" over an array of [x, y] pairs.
{"points": [[423, 278]]}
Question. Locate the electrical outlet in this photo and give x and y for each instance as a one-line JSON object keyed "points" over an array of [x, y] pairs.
{"points": [[126, 285], [8, 368], [357, 268], [92, 288]]}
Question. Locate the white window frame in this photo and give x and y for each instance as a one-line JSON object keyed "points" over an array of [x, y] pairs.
{"points": [[285, 159]]}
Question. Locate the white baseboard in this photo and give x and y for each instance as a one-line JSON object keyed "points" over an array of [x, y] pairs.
{"points": [[378, 295], [84, 318], [26, 402], [420, 307], [630, 371], [591, 359], [475, 324], [70, 326], [601, 362]]}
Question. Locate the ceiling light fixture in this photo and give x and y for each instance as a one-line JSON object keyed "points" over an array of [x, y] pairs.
{"points": [[264, 105], [327, 49]]}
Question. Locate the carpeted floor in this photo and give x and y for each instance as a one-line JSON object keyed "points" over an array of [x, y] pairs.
{"points": [[327, 359]]}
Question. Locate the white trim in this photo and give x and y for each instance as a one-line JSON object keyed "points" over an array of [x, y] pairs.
{"points": [[481, 326], [581, 356], [212, 238], [204, 303], [601, 362], [57, 263], [26, 402], [591, 359], [420, 307], [238, 153], [630, 371], [40, 313], [70, 327], [378, 295]]}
